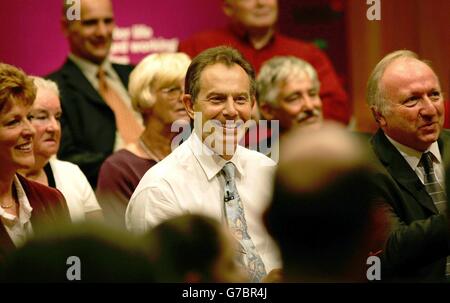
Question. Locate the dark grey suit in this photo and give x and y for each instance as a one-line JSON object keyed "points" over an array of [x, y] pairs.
{"points": [[419, 241], [88, 124]]}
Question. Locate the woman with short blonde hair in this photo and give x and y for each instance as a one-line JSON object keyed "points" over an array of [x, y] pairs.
{"points": [[156, 88]]}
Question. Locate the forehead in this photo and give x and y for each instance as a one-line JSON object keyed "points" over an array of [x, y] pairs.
{"points": [[409, 76], [96, 9], [46, 99], [221, 78], [301, 82]]}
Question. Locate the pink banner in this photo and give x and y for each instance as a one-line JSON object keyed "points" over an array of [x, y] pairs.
{"points": [[32, 38]]}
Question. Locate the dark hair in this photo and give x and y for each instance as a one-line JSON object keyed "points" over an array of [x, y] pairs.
{"points": [[106, 255], [221, 54], [188, 243], [320, 231], [15, 87]]}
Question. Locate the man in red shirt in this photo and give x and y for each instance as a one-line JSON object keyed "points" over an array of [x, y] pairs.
{"points": [[252, 31]]}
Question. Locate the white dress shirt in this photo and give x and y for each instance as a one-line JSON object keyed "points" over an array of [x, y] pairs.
{"points": [[189, 180], [413, 157], [19, 228], [74, 186]]}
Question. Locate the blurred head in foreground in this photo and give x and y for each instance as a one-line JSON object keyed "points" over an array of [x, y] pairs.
{"points": [[193, 248], [103, 255], [322, 213]]}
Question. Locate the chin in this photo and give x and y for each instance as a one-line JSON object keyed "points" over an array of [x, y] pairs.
{"points": [[25, 163]]}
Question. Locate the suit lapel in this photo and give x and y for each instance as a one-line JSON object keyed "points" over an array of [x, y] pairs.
{"points": [[400, 170], [74, 78]]}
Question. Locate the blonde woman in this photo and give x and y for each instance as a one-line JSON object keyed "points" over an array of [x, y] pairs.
{"points": [[156, 88]]}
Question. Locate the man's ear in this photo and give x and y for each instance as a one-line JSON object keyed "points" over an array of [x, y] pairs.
{"points": [[227, 8], [189, 105], [267, 111], [378, 116]]}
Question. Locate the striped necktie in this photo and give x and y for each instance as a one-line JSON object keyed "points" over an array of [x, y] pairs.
{"points": [[431, 183], [435, 190], [234, 212]]}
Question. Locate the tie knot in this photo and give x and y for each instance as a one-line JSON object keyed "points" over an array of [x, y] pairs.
{"points": [[427, 162], [101, 75], [229, 170]]}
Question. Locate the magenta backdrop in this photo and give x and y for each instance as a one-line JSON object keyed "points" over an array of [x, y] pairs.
{"points": [[32, 39]]}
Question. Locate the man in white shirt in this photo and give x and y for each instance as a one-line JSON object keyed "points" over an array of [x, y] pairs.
{"points": [[220, 93], [407, 102]]}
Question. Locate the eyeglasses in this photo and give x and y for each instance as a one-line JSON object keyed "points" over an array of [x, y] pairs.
{"points": [[173, 92]]}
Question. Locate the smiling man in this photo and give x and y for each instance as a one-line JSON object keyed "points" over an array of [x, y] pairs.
{"points": [[210, 173], [407, 102], [97, 114], [288, 90]]}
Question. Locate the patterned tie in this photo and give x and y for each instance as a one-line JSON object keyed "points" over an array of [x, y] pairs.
{"points": [[234, 213], [432, 185], [127, 125], [435, 190]]}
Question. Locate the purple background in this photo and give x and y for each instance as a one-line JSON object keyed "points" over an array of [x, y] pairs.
{"points": [[32, 38]]}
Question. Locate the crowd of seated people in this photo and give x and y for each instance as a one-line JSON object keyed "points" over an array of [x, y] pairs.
{"points": [[98, 164]]}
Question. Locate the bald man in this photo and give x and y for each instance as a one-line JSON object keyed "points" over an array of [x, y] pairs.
{"points": [[406, 99], [252, 30], [91, 122]]}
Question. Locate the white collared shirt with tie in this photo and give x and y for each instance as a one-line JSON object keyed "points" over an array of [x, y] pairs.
{"points": [[413, 157], [190, 181]]}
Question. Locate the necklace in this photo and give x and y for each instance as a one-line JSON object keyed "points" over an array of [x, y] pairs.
{"points": [[148, 151], [14, 199], [8, 206]]}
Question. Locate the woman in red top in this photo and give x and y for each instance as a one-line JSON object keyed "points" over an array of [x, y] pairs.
{"points": [[24, 205]]}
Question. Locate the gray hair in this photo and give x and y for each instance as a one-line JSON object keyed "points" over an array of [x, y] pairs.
{"points": [[277, 70], [46, 84], [375, 94]]}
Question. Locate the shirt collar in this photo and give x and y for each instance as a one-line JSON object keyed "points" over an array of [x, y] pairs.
{"points": [[413, 156], [91, 69], [24, 209], [211, 162]]}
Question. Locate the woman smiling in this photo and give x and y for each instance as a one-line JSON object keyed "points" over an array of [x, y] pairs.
{"points": [[24, 204]]}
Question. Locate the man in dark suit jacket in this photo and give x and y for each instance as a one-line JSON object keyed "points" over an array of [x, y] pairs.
{"points": [[406, 100], [89, 131]]}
